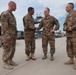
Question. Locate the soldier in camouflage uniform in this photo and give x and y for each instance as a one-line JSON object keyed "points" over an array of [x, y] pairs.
{"points": [[29, 30], [9, 30], [70, 28], [48, 23]]}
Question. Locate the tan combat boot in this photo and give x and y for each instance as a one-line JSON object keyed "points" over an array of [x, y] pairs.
{"points": [[44, 57], [10, 62], [51, 58], [71, 61], [7, 66], [28, 58], [33, 57]]}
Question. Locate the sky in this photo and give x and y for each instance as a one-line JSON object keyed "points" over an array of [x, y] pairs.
{"points": [[57, 9]]}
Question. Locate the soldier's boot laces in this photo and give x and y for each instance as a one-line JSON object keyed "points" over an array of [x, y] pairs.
{"points": [[7, 66], [12, 63], [51, 58], [74, 67], [71, 61], [33, 57], [28, 58], [44, 57]]}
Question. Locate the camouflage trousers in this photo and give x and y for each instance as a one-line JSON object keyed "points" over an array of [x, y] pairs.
{"points": [[48, 39], [29, 44], [9, 48], [71, 46]]}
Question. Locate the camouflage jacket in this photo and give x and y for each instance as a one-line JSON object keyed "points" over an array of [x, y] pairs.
{"points": [[28, 22], [48, 24], [8, 23], [70, 22]]}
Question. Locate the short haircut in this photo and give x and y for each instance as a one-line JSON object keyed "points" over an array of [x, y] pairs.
{"points": [[71, 5], [47, 9], [30, 8], [11, 2]]}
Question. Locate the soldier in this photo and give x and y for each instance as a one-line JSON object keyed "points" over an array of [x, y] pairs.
{"points": [[9, 29], [0, 37], [48, 23], [29, 30], [70, 28]]}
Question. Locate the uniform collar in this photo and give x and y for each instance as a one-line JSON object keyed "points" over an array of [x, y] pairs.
{"points": [[29, 15], [47, 17], [10, 12], [70, 14]]}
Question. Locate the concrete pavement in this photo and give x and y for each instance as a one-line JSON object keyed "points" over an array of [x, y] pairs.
{"points": [[39, 66]]}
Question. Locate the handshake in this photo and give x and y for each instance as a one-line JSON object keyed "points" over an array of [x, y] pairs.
{"points": [[68, 28], [36, 28]]}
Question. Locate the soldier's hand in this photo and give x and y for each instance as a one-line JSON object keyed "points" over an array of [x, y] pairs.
{"points": [[8, 38], [66, 28], [36, 28], [70, 29], [52, 31]]}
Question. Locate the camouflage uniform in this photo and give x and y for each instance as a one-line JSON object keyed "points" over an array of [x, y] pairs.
{"points": [[8, 22], [29, 31], [71, 35], [47, 36]]}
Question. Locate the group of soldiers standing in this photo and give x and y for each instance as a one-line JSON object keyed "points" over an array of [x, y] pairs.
{"points": [[49, 24]]}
